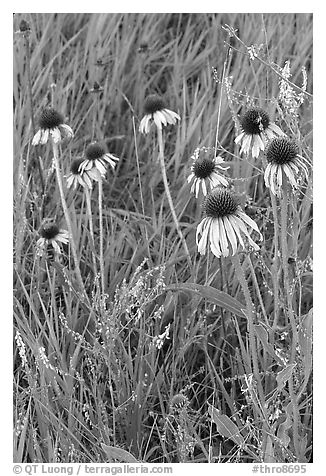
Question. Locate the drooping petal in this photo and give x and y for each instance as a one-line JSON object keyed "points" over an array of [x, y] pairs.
{"points": [[249, 222], [55, 134], [37, 138], [203, 184], [157, 120], [214, 238], [266, 175], [276, 129], [246, 144], [162, 117], [70, 180], [202, 243], [230, 234], [44, 136], [290, 175], [239, 137], [66, 131], [100, 167], [279, 176], [190, 177], [255, 146], [55, 246], [235, 226], [173, 115], [223, 239]]}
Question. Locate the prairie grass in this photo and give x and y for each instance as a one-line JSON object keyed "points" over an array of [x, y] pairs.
{"points": [[161, 364]]}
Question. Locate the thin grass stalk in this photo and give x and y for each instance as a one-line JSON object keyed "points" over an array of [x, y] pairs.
{"points": [[67, 217], [168, 194], [31, 103], [260, 402], [250, 320], [254, 278]]}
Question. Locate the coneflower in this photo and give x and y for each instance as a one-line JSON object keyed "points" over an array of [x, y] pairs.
{"points": [[96, 157], [205, 171], [224, 224], [52, 235], [283, 159], [52, 126], [256, 130], [178, 403], [84, 178], [155, 110]]}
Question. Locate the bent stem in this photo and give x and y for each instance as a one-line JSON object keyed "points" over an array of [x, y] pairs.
{"points": [[67, 217], [168, 194], [100, 207]]}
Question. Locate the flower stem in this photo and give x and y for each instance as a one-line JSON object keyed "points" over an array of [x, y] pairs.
{"points": [[100, 206], [67, 217], [275, 263], [140, 187], [91, 230], [168, 194], [290, 312]]}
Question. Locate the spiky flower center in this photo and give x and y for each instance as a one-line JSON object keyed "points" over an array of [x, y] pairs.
{"points": [[94, 151], [75, 164], [179, 402], [219, 203], [254, 121], [49, 231], [50, 118], [204, 167], [282, 150], [153, 103]]}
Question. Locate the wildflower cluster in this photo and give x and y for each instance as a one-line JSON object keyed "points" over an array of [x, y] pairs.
{"points": [[225, 226], [83, 171]]}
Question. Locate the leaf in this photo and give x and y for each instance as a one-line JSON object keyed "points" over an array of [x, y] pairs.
{"points": [[262, 334], [282, 431], [119, 454], [225, 426], [305, 342], [217, 297], [283, 376]]}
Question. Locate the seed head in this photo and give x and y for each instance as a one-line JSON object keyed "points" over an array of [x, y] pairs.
{"points": [[50, 118], [49, 231], [153, 103], [179, 402], [219, 203], [203, 167], [94, 151], [74, 167], [282, 150], [254, 121]]}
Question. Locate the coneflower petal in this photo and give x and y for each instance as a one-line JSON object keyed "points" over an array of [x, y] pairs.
{"points": [[223, 239], [231, 235], [214, 238]]}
